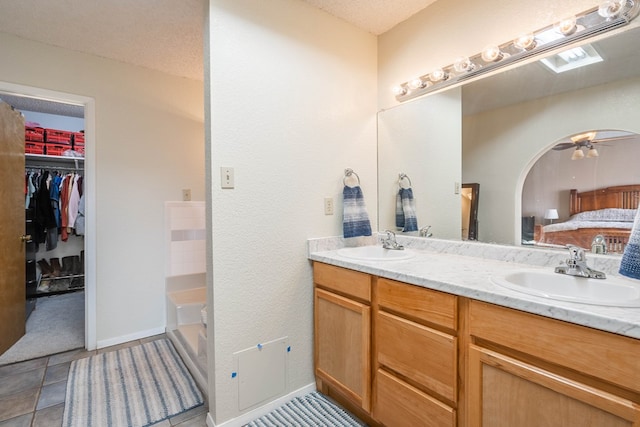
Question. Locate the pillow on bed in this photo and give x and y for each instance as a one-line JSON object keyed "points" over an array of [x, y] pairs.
{"points": [[609, 214]]}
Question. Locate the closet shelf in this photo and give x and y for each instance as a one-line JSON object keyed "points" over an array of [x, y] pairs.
{"points": [[53, 160], [48, 286]]}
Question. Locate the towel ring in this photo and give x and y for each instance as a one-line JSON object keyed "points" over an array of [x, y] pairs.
{"points": [[401, 177], [347, 174]]}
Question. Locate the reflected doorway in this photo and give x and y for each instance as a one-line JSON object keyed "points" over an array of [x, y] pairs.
{"points": [[469, 198]]}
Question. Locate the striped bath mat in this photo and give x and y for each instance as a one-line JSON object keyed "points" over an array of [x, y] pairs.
{"points": [[136, 386], [311, 410]]}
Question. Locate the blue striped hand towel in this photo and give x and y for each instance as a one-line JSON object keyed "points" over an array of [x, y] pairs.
{"points": [[406, 219], [630, 264], [355, 220]]}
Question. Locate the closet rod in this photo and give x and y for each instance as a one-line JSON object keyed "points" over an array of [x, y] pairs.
{"points": [[54, 168]]}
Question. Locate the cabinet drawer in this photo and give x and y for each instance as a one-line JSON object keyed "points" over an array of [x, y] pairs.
{"points": [[423, 304], [415, 351], [600, 354], [343, 281], [398, 404]]}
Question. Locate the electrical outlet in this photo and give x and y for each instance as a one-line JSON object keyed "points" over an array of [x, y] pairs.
{"points": [[226, 177], [186, 195], [328, 205], [456, 188]]}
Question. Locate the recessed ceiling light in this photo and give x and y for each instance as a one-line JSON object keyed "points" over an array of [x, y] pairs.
{"points": [[573, 58]]}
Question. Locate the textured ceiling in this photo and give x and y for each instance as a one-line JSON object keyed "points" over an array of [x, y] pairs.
{"points": [[164, 35], [374, 16]]}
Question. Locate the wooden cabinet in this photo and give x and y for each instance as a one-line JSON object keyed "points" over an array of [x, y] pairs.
{"points": [[407, 356], [415, 355], [527, 370], [342, 324]]}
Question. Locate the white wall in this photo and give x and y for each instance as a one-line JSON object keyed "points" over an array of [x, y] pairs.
{"points": [[447, 29], [149, 145], [292, 104]]}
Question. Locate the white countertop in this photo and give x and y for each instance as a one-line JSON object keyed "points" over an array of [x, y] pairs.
{"points": [[469, 276]]}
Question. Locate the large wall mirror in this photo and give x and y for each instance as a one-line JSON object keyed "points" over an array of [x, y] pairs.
{"points": [[509, 121]]}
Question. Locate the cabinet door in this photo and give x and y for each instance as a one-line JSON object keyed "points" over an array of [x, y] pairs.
{"points": [[342, 345], [505, 392]]}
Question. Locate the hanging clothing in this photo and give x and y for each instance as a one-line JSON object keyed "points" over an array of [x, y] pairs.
{"points": [[74, 198], [55, 201], [30, 189], [65, 192], [54, 194], [44, 213], [44, 217], [79, 224]]}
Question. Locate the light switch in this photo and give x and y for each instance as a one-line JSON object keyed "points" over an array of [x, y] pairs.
{"points": [[226, 177], [328, 205]]}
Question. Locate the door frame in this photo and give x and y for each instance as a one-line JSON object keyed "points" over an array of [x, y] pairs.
{"points": [[89, 182]]}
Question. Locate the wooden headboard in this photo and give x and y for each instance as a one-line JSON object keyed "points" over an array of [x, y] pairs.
{"points": [[621, 196]]}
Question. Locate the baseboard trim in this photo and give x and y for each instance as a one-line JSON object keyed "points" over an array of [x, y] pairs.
{"points": [[131, 337], [262, 410]]}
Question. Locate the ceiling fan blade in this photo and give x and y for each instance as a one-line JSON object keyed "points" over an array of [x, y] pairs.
{"points": [[565, 145], [613, 138]]}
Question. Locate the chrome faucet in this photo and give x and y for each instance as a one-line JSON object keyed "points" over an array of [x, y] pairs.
{"points": [[424, 231], [598, 245], [390, 241], [577, 265]]}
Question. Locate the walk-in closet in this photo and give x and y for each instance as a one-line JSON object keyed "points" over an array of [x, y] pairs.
{"points": [[54, 227]]}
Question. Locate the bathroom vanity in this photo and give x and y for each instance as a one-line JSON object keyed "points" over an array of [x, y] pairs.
{"points": [[431, 341]]}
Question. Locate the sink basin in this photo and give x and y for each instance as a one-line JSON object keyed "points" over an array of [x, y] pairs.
{"points": [[612, 291], [375, 253]]}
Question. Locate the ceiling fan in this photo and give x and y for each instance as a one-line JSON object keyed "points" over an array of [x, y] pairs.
{"points": [[585, 140]]}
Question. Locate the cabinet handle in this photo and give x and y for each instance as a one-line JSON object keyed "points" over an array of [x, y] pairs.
{"points": [[25, 238]]}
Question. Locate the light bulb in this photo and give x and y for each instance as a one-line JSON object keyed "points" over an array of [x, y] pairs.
{"points": [[577, 154], [463, 65], [567, 26], [592, 153], [399, 90], [525, 42], [438, 75], [416, 83], [610, 9], [492, 54]]}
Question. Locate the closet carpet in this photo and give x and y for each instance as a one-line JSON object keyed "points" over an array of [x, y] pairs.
{"points": [[56, 325]]}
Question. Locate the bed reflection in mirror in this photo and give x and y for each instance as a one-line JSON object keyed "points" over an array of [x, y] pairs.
{"points": [[592, 180]]}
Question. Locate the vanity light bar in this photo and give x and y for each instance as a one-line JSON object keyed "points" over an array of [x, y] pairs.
{"points": [[609, 15]]}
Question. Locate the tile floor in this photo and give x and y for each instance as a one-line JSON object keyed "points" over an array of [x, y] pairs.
{"points": [[32, 393]]}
